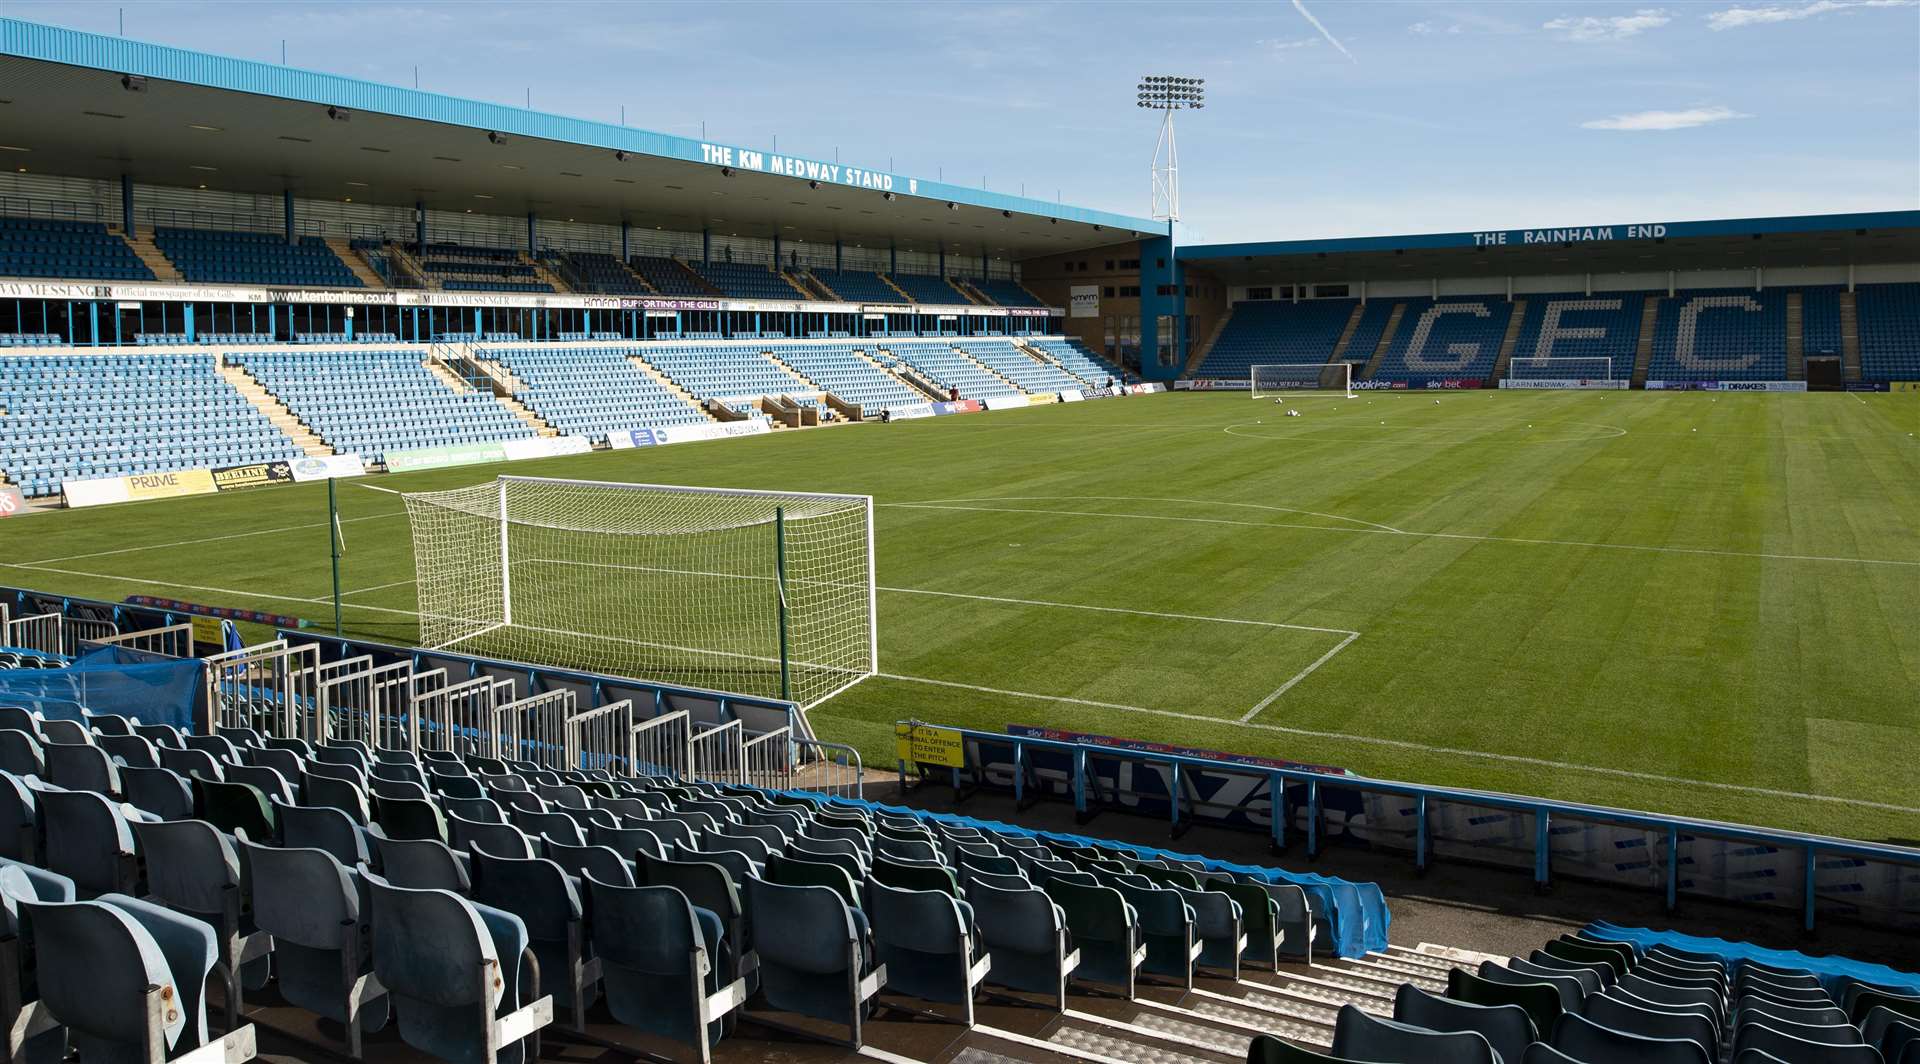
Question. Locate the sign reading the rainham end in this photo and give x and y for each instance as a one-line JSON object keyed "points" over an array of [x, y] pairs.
{"points": [[1579, 235], [775, 163]]}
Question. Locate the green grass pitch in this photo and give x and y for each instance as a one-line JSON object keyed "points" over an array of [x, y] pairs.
{"points": [[1686, 603]]}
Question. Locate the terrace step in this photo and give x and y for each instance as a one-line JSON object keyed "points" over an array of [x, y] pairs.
{"points": [[276, 411], [1796, 338], [1510, 340], [150, 253], [356, 261], [1200, 353], [540, 271], [1386, 341], [1849, 337], [670, 385], [404, 262], [1643, 349], [1346, 334]]}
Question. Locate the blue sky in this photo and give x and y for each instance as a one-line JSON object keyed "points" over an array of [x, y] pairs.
{"points": [[1323, 118]]}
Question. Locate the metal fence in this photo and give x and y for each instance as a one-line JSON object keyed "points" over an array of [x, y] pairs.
{"points": [[43, 633], [173, 640], [359, 701], [269, 688], [663, 746]]}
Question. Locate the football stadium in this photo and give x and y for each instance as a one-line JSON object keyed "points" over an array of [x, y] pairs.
{"points": [[487, 585]]}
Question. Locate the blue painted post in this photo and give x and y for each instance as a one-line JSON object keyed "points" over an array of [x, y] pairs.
{"points": [[893, 261], [1673, 868], [836, 256], [1420, 834], [706, 247], [943, 260], [1813, 865], [533, 236], [286, 206], [1080, 782], [1019, 774], [983, 264], [93, 318], [1173, 796], [1313, 818], [626, 241], [1541, 823], [1277, 806], [126, 205], [186, 319], [776, 251]]}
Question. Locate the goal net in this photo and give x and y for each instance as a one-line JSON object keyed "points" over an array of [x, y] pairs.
{"points": [[749, 592], [1594, 368], [1293, 378]]}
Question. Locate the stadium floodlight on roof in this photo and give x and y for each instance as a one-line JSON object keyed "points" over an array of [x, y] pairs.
{"points": [[1168, 93]]}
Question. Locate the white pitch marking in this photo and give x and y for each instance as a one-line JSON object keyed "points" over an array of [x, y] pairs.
{"points": [[1404, 744], [1279, 728], [1382, 531], [212, 539], [1146, 498], [377, 587], [1297, 677]]}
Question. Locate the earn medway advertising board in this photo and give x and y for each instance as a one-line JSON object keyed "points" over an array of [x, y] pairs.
{"points": [[1565, 385], [660, 435]]}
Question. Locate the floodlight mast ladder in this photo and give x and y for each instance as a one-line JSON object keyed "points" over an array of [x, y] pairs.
{"points": [[1168, 93]]}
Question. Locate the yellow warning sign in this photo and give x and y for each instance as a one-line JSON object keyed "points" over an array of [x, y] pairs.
{"points": [[924, 744], [207, 630]]}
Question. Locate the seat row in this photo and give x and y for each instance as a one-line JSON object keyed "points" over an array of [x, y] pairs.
{"points": [[1585, 998], [373, 886]]}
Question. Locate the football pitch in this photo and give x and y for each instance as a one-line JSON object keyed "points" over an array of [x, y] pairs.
{"points": [[1686, 603]]}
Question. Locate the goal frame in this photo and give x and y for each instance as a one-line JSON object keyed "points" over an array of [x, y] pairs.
{"points": [[1548, 361], [1345, 391], [505, 481]]}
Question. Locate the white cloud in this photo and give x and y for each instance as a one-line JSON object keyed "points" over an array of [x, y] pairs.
{"points": [[1609, 27], [1646, 121], [1736, 17], [1331, 39], [1285, 44], [1432, 29]]}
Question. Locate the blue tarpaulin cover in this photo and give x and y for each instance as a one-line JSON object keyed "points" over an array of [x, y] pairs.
{"points": [[156, 688], [1833, 972]]}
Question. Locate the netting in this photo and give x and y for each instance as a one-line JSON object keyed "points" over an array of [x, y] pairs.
{"points": [[749, 592], [1290, 378], [1596, 368]]}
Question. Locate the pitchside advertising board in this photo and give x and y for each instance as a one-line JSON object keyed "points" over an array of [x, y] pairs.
{"points": [[1566, 385], [659, 436], [459, 454], [1236, 792], [11, 501], [1726, 386]]}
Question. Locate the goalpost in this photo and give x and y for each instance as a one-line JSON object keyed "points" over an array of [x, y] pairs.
{"points": [[1269, 379], [762, 593], [1594, 371]]}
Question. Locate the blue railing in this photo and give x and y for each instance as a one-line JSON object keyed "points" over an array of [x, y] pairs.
{"points": [[1892, 898]]}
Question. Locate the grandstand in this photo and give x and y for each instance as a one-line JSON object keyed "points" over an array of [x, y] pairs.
{"points": [[591, 390], [1539, 652], [218, 256], [370, 402], [78, 417]]}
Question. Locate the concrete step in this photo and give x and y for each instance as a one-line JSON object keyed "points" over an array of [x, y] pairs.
{"points": [[276, 411], [356, 261]]}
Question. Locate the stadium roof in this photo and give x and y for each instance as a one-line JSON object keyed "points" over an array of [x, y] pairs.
{"points": [[86, 105], [1738, 243]]}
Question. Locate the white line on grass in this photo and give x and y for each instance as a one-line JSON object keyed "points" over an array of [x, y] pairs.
{"points": [[1404, 744], [377, 587], [1173, 714], [214, 539], [1372, 530]]}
